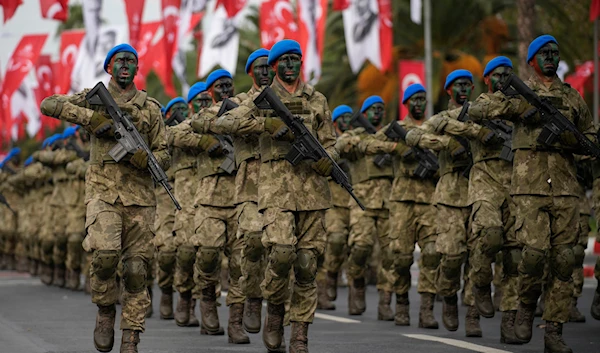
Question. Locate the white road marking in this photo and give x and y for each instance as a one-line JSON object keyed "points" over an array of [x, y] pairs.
{"points": [[336, 318], [457, 343]]}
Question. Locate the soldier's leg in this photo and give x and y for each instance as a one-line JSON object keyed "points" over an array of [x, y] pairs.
{"points": [[577, 276], [46, 249], [9, 250], [151, 274], [497, 280], [235, 295], [21, 252], [166, 271], [429, 261], [385, 272], [336, 222], [73, 261]]}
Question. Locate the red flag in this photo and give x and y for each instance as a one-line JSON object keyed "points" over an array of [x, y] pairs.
{"points": [[340, 5], [135, 9], [157, 58], [409, 72], [231, 6], [10, 7], [385, 34], [147, 33], [594, 10], [55, 9], [44, 73], [276, 22], [170, 17], [70, 42]]}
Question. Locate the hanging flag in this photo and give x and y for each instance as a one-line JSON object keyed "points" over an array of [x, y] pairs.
{"points": [[221, 44], [157, 59], [70, 43], [312, 15], [277, 22], [341, 5], [231, 6], [386, 42], [361, 30], [55, 9], [44, 72], [135, 10], [170, 17], [594, 10], [416, 7], [147, 33], [91, 19], [189, 16], [25, 111], [409, 72], [10, 7]]}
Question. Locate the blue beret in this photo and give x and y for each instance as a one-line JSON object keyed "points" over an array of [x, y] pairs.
{"points": [[259, 53], [286, 46], [119, 48], [537, 43], [46, 142], [70, 131], [162, 110], [340, 110], [455, 75], [215, 75], [195, 90], [369, 102], [172, 103], [12, 153], [28, 161], [411, 90], [495, 63]]}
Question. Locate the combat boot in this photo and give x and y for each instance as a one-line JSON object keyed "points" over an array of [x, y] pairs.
{"points": [[59, 276], [402, 317], [426, 318], [73, 279], [182, 311], [299, 338], [472, 327], [166, 304], [323, 301], [331, 285], [252, 313], [384, 311], [483, 301], [33, 268], [450, 313], [507, 328], [553, 340], [47, 274], [104, 332], [524, 321], [273, 327], [497, 299], [193, 321], [234, 328], [129, 341], [595, 310], [208, 312], [356, 296], [574, 314], [150, 310]]}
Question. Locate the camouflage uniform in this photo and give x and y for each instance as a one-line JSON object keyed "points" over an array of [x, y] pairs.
{"points": [[164, 239], [9, 225], [120, 204], [75, 200]]}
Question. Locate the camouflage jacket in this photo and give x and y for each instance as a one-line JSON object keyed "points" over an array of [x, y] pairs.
{"points": [[57, 160], [76, 170]]}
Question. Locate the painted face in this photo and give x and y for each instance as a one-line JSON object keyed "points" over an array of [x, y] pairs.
{"points": [[222, 88], [416, 105], [461, 89], [496, 77], [124, 66], [343, 122], [182, 107], [376, 113], [546, 60], [288, 67], [261, 72], [201, 101]]}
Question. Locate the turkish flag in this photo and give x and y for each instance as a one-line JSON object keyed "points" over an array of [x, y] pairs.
{"points": [[70, 43], [10, 7], [55, 9], [147, 33], [170, 17], [44, 72], [232, 7], [594, 10], [276, 22], [409, 72], [135, 9], [385, 34], [157, 59], [340, 5], [312, 15]]}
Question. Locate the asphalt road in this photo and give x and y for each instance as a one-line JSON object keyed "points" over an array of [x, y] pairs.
{"points": [[35, 319]]}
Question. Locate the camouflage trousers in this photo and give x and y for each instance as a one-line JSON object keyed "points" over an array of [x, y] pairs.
{"points": [[582, 242], [337, 224], [452, 230], [128, 231], [485, 216], [75, 231], [183, 228], [164, 241], [61, 238], [412, 223], [254, 262], [548, 229], [216, 230]]}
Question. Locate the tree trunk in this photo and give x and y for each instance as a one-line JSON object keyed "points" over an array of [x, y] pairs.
{"points": [[525, 27]]}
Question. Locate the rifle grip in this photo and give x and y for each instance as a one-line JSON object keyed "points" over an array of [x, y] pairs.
{"points": [[547, 137]]}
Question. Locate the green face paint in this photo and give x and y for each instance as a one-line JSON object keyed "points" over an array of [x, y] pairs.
{"points": [[201, 101], [376, 113], [288, 67], [124, 68], [182, 107], [262, 72], [497, 76], [547, 59], [343, 121], [223, 88], [461, 90], [416, 105]]}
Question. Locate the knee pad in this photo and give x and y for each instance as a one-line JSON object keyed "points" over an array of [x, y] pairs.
{"points": [[235, 265], [135, 270], [429, 257], [561, 262], [281, 258], [47, 246], [493, 239], [402, 263], [104, 263], [510, 260], [305, 266], [254, 248], [359, 255], [387, 258], [336, 244], [166, 261], [185, 257], [579, 253], [208, 259], [451, 265], [532, 261]]}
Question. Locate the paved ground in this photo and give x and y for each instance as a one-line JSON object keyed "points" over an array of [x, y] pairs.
{"points": [[35, 319]]}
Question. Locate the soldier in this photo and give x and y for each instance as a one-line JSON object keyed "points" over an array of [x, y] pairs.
{"points": [[10, 166], [293, 199], [337, 223], [544, 189], [120, 198]]}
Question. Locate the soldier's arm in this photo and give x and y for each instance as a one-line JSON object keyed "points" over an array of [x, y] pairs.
{"points": [[184, 137], [157, 136], [372, 145], [44, 157], [447, 123], [325, 130], [239, 121], [497, 106], [64, 156], [71, 108], [422, 138]]}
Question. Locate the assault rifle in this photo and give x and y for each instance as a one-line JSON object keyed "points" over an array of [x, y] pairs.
{"points": [[228, 164], [128, 137], [175, 118], [428, 163], [555, 123], [305, 145], [358, 120], [5, 203]]}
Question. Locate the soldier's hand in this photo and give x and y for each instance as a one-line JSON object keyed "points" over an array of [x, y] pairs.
{"points": [[278, 129], [457, 151], [211, 145], [404, 151], [100, 125], [139, 159], [529, 114], [568, 139], [51, 107], [323, 167], [488, 137]]}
